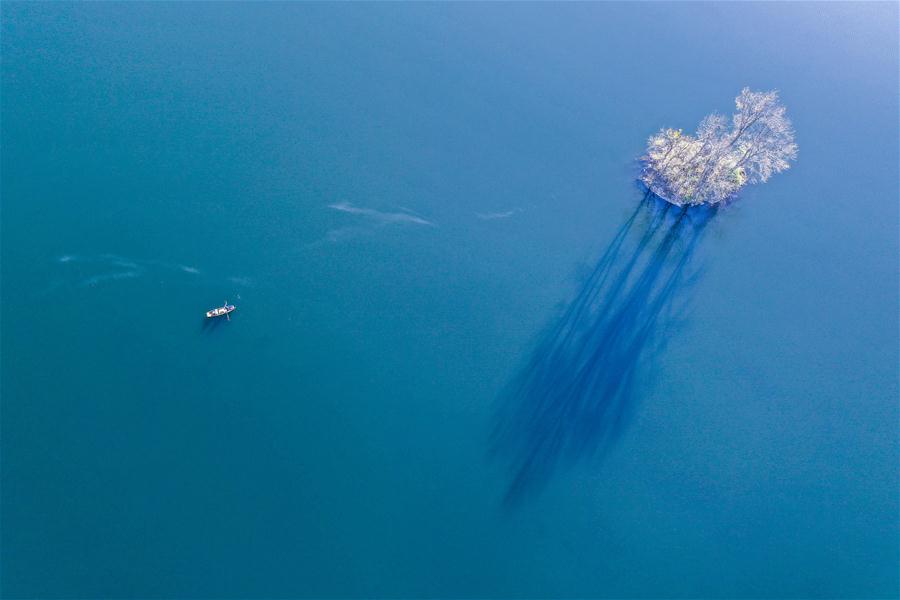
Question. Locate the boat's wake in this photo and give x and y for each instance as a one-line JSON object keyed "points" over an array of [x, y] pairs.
{"points": [[371, 220], [81, 270]]}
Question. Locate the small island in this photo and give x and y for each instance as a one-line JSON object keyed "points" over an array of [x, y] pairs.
{"points": [[714, 165]]}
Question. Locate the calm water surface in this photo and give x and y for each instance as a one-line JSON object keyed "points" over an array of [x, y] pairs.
{"points": [[399, 198]]}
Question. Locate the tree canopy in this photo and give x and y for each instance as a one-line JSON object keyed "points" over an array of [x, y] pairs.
{"points": [[719, 160]]}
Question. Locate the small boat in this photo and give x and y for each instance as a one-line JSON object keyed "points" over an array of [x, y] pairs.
{"points": [[221, 311]]}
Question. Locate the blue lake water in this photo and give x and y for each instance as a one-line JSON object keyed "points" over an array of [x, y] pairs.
{"points": [[400, 198]]}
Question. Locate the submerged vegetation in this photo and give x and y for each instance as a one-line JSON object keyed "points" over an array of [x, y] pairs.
{"points": [[719, 161]]}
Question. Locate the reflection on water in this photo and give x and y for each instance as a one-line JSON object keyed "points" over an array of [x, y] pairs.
{"points": [[571, 399], [210, 325]]}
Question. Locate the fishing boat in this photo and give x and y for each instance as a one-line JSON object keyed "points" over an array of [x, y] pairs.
{"points": [[222, 311]]}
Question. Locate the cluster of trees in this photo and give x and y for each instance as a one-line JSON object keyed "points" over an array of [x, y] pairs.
{"points": [[713, 165]]}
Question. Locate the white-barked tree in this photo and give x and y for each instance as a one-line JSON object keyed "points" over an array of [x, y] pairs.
{"points": [[718, 161]]}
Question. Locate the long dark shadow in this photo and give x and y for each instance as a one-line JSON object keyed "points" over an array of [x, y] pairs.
{"points": [[571, 399]]}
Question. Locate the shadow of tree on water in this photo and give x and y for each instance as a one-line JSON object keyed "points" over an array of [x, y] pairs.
{"points": [[571, 399]]}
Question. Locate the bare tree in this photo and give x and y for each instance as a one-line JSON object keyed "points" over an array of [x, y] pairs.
{"points": [[719, 161]]}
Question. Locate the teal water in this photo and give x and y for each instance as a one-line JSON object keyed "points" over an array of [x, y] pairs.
{"points": [[399, 198]]}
